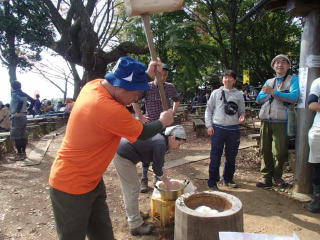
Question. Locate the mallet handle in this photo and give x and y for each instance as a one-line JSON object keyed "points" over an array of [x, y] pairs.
{"points": [[152, 49]]}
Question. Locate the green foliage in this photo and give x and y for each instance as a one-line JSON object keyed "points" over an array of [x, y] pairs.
{"points": [[178, 44], [205, 38], [24, 31], [272, 34]]}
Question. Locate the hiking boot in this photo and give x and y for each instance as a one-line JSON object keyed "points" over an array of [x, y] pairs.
{"points": [[144, 185], [144, 229], [230, 184], [264, 184], [280, 183]]}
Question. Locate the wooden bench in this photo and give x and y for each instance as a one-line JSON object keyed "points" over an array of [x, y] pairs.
{"points": [[47, 127], [6, 144], [255, 136], [177, 119], [2, 147], [4, 134], [199, 127], [34, 131]]}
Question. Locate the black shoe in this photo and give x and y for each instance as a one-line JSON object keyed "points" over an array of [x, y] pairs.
{"points": [[264, 184], [144, 185], [14, 158], [230, 184], [144, 229], [214, 188], [23, 156], [17, 157], [314, 206], [280, 183]]}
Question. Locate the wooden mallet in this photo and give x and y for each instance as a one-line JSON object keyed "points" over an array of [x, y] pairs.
{"points": [[144, 8]]}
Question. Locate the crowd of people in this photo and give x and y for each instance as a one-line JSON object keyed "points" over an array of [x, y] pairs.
{"points": [[41, 107], [46, 106], [13, 116], [110, 132]]}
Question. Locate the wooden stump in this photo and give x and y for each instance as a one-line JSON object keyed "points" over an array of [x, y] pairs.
{"points": [[199, 127], [192, 225]]}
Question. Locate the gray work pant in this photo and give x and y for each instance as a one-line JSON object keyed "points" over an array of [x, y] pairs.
{"points": [[130, 186]]}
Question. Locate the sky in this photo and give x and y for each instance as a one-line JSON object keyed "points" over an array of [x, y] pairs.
{"points": [[33, 83]]}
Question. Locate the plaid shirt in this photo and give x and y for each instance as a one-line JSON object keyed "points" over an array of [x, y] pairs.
{"points": [[153, 100]]}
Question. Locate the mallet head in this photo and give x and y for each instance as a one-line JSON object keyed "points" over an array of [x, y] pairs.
{"points": [[141, 7]]}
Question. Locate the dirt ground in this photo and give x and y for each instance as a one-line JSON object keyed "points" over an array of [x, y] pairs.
{"points": [[25, 209]]}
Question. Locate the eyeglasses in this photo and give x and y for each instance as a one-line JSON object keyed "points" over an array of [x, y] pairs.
{"points": [[180, 139]]}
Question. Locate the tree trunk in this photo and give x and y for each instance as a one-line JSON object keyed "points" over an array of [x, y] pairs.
{"points": [[12, 72], [193, 225], [12, 56]]}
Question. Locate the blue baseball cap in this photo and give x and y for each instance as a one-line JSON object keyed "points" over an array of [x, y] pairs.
{"points": [[129, 74]]}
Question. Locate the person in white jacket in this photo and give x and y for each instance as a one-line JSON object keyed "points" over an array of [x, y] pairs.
{"points": [[314, 143]]}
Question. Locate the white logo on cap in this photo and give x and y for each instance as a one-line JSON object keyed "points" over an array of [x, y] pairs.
{"points": [[129, 78]]}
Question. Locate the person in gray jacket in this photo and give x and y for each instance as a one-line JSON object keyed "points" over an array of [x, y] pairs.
{"points": [[224, 112], [145, 151]]}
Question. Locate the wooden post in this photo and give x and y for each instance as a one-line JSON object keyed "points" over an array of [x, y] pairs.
{"points": [[309, 61]]}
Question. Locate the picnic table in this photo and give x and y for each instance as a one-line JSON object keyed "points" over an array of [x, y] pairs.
{"points": [[251, 104], [4, 134], [45, 123], [6, 144], [252, 116], [200, 109], [35, 120]]}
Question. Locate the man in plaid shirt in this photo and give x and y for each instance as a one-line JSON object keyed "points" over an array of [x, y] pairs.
{"points": [[153, 108]]}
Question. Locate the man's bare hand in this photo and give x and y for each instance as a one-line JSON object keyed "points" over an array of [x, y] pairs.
{"points": [[166, 118], [210, 131], [268, 90], [154, 67], [144, 119], [242, 119]]}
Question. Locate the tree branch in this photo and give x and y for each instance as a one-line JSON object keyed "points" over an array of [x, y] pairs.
{"points": [[55, 17]]}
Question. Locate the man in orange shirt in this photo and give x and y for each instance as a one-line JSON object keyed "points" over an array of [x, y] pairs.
{"points": [[97, 122]]}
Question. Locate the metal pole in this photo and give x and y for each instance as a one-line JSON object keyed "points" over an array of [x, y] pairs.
{"points": [[310, 64]]}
